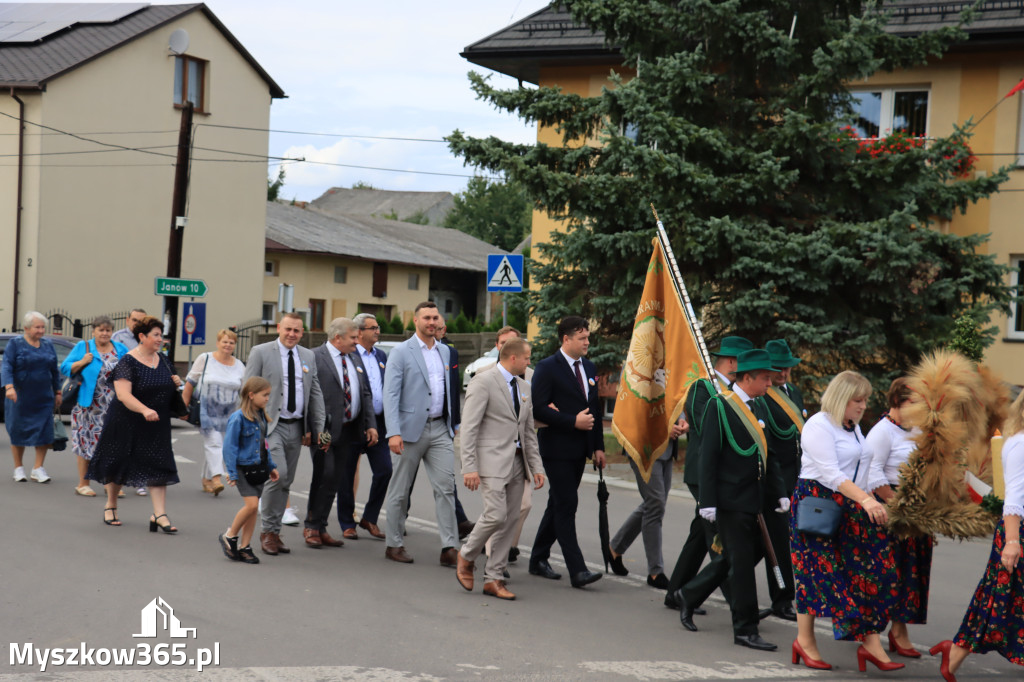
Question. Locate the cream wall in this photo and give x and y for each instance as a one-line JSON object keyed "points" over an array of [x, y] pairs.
{"points": [[97, 225], [313, 278]]}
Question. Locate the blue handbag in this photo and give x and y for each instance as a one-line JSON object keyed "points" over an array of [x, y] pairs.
{"points": [[820, 515]]}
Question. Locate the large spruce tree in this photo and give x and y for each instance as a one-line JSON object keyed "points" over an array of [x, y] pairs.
{"points": [[783, 224]]}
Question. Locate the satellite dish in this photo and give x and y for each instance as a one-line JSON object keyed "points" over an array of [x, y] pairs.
{"points": [[179, 41]]}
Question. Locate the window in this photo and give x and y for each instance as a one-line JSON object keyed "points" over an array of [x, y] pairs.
{"points": [[380, 280], [317, 307], [414, 281], [880, 112], [340, 274], [269, 312], [1015, 327], [270, 268], [190, 82]]}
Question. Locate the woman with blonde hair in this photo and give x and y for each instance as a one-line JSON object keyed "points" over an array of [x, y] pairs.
{"points": [[995, 618], [216, 377], [847, 576]]}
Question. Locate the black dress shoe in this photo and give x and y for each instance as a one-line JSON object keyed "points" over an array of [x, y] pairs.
{"points": [[544, 570], [685, 612], [670, 600], [763, 613], [787, 612], [659, 582], [513, 554], [699, 611], [754, 642], [584, 578]]}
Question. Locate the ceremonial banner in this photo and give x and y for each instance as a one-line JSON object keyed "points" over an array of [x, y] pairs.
{"points": [[662, 362]]}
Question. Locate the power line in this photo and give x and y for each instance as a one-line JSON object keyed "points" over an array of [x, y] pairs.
{"points": [[85, 139], [302, 132]]}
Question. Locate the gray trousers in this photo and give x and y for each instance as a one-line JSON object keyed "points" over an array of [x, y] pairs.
{"points": [[648, 516], [285, 445], [496, 526], [436, 451]]}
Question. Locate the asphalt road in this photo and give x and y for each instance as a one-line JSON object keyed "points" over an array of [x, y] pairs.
{"points": [[70, 582]]}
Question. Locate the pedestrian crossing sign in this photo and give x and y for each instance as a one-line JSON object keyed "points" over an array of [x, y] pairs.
{"points": [[505, 272]]}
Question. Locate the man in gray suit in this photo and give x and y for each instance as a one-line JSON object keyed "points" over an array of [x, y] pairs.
{"points": [[499, 455], [294, 413], [418, 411], [349, 406]]}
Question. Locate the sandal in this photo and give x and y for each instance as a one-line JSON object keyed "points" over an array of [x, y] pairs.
{"points": [[120, 493], [85, 491], [153, 524], [114, 521]]}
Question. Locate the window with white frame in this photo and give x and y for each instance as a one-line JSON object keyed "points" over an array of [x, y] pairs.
{"points": [[1015, 325], [880, 111]]}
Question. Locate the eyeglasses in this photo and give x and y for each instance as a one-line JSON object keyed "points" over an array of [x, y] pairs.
{"points": [[370, 329]]}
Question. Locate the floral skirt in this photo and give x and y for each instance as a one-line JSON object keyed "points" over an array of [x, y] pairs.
{"points": [[913, 558], [995, 619], [850, 578]]}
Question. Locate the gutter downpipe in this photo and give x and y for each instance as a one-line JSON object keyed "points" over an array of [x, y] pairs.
{"points": [[18, 207]]}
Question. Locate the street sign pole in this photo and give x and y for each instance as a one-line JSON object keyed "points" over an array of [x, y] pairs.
{"points": [[504, 310]]}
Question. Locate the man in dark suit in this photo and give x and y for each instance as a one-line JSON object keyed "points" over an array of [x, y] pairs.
{"points": [[564, 394], [370, 363], [737, 480], [349, 408]]}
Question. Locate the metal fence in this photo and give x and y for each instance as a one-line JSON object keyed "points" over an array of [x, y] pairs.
{"points": [[62, 322], [247, 333]]}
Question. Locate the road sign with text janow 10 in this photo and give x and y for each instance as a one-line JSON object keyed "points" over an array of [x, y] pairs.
{"points": [[173, 286], [504, 273], [193, 324]]}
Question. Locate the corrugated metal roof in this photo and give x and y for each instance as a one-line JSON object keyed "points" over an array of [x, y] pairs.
{"points": [[378, 239], [31, 66]]}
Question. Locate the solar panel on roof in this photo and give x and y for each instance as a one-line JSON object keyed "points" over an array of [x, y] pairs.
{"points": [[36, 22]]}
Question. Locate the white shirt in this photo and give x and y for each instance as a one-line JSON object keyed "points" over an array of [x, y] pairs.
{"points": [[888, 447], [299, 370], [373, 373], [353, 378], [742, 395], [436, 372], [723, 381], [572, 368], [831, 453], [509, 378], [1013, 475]]}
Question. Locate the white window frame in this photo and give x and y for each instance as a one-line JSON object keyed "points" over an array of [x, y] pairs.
{"points": [[270, 268], [885, 115], [1016, 309]]}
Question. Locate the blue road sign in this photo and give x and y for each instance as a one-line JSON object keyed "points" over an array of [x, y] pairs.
{"points": [[504, 273], [193, 324]]}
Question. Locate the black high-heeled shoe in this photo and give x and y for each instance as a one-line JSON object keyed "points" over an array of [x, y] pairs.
{"points": [[114, 521], [606, 554], [153, 525], [618, 568]]}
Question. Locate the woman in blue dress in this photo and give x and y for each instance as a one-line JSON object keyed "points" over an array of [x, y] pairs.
{"points": [[31, 381]]}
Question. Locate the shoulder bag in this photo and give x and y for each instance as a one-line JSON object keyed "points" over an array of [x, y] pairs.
{"points": [[60, 433], [71, 385], [256, 474], [177, 406], [196, 402], [820, 516]]}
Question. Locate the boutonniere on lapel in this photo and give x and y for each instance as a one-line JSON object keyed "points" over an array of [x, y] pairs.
{"points": [[305, 368], [805, 414], [381, 365], [760, 422], [447, 368], [591, 381], [359, 369]]}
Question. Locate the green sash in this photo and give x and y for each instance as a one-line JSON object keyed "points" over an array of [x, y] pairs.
{"points": [[749, 421], [790, 408]]}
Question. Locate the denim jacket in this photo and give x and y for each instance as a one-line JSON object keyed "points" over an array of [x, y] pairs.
{"points": [[242, 443]]}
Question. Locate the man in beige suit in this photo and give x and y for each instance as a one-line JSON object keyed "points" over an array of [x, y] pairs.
{"points": [[499, 455]]}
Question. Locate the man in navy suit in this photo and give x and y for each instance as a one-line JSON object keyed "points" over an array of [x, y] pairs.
{"points": [[564, 394]]}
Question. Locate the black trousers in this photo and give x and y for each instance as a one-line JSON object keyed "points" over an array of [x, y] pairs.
{"points": [[327, 471], [741, 538], [687, 572], [559, 520], [379, 457]]}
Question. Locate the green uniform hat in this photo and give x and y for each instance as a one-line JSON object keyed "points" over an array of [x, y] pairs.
{"points": [[780, 353], [752, 360], [732, 346]]}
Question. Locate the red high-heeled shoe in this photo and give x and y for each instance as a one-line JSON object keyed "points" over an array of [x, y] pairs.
{"points": [[944, 646], [798, 653], [863, 656], [896, 648]]}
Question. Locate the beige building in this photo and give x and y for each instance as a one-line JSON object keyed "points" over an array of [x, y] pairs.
{"points": [[342, 265], [89, 122]]}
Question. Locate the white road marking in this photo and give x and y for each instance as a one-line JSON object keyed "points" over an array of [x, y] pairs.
{"points": [[341, 673], [183, 460], [677, 670]]}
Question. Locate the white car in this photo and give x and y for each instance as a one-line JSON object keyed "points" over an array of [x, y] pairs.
{"points": [[488, 359]]}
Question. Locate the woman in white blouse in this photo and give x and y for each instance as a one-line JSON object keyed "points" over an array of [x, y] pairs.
{"points": [[889, 444], [995, 619], [847, 577], [217, 376]]}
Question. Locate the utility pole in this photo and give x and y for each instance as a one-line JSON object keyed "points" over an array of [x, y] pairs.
{"points": [[181, 169]]}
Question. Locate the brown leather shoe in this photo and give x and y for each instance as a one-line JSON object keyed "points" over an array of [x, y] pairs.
{"points": [[267, 543], [312, 536], [329, 541], [464, 571], [350, 534], [448, 557], [465, 528], [496, 588], [397, 554], [279, 543], [372, 529]]}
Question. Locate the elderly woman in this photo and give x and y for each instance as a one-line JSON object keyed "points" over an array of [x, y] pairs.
{"points": [[849, 576], [31, 382], [135, 445], [94, 360], [217, 378], [889, 445], [995, 619]]}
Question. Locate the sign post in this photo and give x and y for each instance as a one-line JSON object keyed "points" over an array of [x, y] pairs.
{"points": [[504, 274]]}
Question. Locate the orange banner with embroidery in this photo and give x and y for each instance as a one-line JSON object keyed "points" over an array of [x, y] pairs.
{"points": [[663, 360]]}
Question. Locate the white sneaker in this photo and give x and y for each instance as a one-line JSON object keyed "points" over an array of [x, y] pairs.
{"points": [[290, 518], [40, 475], [19, 474], [142, 492]]}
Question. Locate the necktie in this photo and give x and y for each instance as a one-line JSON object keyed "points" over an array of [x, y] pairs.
{"points": [[785, 388], [515, 396], [291, 381], [579, 377], [348, 389]]}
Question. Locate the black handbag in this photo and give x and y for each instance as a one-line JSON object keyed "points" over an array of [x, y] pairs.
{"points": [[71, 385], [60, 434], [256, 474], [177, 406], [196, 402]]}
